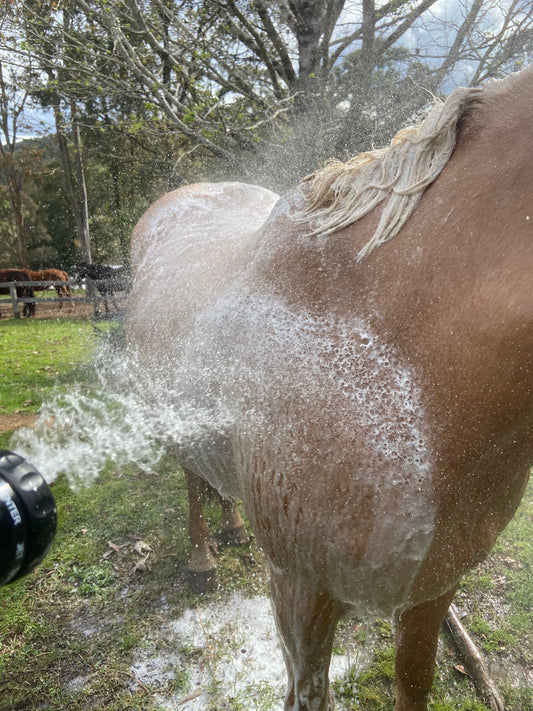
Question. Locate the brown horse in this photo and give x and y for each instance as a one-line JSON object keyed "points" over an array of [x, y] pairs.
{"points": [[63, 290], [18, 275], [358, 370]]}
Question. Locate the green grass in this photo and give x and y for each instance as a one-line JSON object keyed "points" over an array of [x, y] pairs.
{"points": [[90, 605], [70, 631], [38, 356]]}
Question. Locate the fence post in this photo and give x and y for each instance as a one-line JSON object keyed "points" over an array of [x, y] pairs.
{"points": [[13, 292]]}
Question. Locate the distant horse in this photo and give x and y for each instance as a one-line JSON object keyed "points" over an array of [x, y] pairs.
{"points": [[7, 275], [63, 290], [107, 281], [358, 370]]}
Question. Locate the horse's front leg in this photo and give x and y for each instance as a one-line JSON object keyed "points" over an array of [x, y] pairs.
{"points": [[96, 307], [202, 566], [306, 618], [417, 634], [114, 301]]}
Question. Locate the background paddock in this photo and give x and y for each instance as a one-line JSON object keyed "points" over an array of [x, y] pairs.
{"points": [[48, 303]]}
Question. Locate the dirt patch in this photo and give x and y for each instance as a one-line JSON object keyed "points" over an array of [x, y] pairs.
{"points": [[69, 309], [13, 422], [44, 310]]}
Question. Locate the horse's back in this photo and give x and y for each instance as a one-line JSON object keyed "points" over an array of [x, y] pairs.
{"points": [[7, 275]]}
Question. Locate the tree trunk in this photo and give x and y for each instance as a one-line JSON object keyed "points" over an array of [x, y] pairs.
{"points": [[347, 141], [69, 182], [10, 111], [82, 205], [314, 21], [15, 197], [124, 244]]}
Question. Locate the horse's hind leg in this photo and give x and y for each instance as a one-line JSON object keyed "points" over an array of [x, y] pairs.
{"points": [[417, 633], [307, 618], [232, 531], [202, 566], [29, 309]]}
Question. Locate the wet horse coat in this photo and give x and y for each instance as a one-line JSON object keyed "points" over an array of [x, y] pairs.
{"points": [[371, 406]]}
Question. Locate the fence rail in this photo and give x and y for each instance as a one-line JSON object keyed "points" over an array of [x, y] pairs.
{"points": [[45, 286]]}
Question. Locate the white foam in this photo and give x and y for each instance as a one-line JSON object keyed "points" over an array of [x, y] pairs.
{"points": [[229, 650]]}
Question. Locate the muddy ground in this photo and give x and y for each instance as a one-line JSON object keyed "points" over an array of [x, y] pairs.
{"points": [[13, 422]]}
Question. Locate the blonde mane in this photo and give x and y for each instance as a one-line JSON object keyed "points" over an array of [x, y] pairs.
{"points": [[342, 193]]}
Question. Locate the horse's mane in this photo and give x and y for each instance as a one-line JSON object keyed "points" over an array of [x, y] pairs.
{"points": [[342, 193]]}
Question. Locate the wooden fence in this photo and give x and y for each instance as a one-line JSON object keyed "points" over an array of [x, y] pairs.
{"points": [[46, 285]]}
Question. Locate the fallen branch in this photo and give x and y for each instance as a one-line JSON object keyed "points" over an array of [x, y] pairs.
{"points": [[193, 695], [474, 662]]}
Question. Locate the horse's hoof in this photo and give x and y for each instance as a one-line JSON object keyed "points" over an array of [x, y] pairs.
{"points": [[233, 536], [202, 581]]}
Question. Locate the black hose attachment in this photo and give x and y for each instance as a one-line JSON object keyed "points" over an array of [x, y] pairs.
{"points": [[28, 517]]}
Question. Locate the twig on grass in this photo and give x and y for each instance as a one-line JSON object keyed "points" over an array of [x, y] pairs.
{"points": [[474, 662]]}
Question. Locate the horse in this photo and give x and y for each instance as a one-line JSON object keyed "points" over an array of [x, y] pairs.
{"points": [[107, 281], [63, 290], [357, 370], [18, 275]]}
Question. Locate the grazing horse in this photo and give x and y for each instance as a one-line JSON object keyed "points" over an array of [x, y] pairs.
{"points": [[107, 280], [63, 290], [358, 370], [7, 275]]}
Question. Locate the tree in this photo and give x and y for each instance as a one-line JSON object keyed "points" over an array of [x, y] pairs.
{"points": [[11, 107], [49, 39], [254, 89], [15, 165], [18, 163], [242, 78]]}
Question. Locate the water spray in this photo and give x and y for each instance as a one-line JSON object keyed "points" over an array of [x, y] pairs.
{"points": [[28, 517]]}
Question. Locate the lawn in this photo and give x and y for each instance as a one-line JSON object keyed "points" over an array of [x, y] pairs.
{"points": [[37, 356], [81, 631]]}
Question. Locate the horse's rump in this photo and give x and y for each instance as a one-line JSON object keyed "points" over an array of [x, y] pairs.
{"points": [[18, 275], [188, 250]]}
